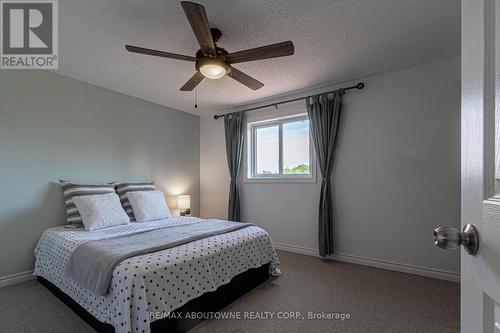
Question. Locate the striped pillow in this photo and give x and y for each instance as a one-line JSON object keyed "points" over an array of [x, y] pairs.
{"points": [[123, 188], [71, 190]]}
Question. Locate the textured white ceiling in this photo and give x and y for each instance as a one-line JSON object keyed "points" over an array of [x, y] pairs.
{"points": [[335, 40]]}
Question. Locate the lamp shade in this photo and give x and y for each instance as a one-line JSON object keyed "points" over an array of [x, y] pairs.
{"points": [[183, 202]]}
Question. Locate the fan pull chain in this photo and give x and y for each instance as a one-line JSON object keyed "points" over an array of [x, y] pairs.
{"points": [[195, 98]]}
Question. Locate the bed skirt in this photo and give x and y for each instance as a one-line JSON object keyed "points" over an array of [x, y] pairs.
{"points": [[209, 302]]}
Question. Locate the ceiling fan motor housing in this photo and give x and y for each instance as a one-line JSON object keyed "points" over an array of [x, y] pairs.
{"points": [[220, 61], [219, 50]]}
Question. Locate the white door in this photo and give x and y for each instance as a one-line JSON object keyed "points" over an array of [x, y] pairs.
{"points": [[480, 288]]}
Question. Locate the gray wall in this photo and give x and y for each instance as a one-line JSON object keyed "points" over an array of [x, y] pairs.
{"points": [[54, 128], [396, 176]]}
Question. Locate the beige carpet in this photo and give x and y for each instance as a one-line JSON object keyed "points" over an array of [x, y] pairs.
{"points": [[376, 300]]}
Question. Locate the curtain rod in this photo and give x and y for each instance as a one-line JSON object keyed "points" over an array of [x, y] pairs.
{"points": [[360, 85]]}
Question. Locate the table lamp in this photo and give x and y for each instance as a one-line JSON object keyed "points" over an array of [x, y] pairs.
{"points": [[184, 204]]}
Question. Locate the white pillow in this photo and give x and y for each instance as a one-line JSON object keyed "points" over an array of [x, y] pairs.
{"points": [[148, 205], [101, 211]]}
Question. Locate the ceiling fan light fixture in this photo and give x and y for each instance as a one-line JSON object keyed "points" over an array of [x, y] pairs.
{"points": [[212, 71], [213, 68]]}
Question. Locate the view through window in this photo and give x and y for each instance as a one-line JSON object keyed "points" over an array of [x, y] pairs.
{"points": [[281, 148]]}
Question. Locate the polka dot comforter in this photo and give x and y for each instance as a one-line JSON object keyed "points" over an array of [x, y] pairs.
{"points": [[156, 282]]}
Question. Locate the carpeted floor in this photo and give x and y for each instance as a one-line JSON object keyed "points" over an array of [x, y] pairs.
{"points": [[376, 300]]}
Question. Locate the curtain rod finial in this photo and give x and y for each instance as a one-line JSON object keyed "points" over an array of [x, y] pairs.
{"points": [[360, 85]]}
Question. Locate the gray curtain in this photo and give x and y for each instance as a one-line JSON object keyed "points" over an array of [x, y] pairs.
{"points": [[324, 118], [235, 136]]}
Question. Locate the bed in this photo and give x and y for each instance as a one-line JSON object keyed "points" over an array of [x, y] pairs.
{"points": [[146, 287]]}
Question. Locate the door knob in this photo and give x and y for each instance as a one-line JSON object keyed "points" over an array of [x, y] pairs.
{"points": [[451, 238]]}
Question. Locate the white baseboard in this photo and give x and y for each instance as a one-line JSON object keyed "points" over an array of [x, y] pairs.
{"points": [[10, 280], [393, 266]]}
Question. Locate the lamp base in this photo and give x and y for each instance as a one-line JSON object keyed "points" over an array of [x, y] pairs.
{"points": [[186, 212]]}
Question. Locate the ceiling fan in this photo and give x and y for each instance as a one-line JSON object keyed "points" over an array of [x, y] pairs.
{"points": [[214, 62]]}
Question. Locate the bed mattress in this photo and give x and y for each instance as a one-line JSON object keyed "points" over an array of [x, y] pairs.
{"points": [[161, 281]]}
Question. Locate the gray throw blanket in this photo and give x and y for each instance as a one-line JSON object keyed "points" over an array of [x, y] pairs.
{"points": [[91, 264]]}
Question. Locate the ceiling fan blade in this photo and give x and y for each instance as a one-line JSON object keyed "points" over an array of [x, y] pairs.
{"points": [[141, 50], [193, 82], [264, 52], [197, 17], [245, 79]]}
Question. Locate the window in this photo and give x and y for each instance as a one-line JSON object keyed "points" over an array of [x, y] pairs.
{"points": [[280, 149]]}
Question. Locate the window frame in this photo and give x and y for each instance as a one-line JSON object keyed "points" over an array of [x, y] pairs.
{"points": [[252, 177]]}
